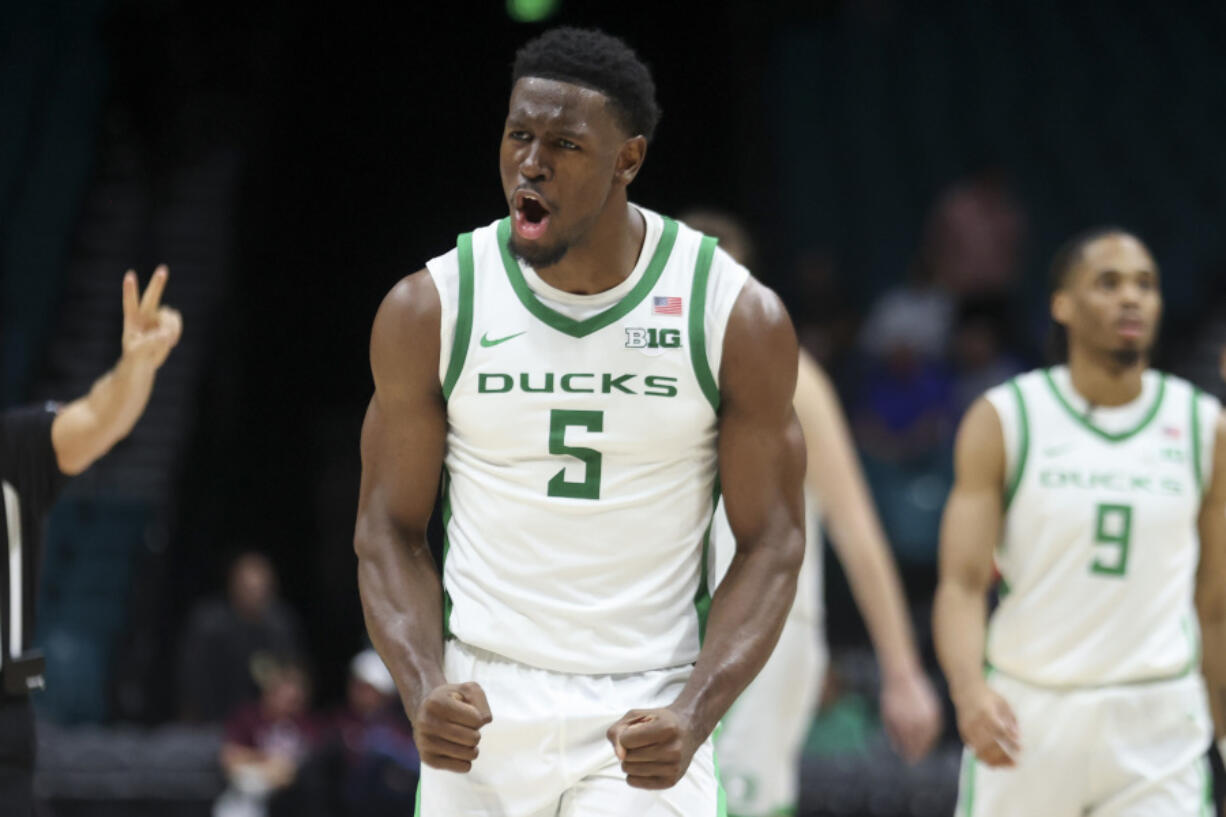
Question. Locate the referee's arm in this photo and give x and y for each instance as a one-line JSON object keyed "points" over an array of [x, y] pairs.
{"points": [[86, 428]]}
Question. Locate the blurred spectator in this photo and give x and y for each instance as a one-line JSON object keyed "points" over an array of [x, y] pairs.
{"points": [[906, 407], [265, 742], [368, 766], [230, 643], [973, 239], [980, 356], [915, 317]]}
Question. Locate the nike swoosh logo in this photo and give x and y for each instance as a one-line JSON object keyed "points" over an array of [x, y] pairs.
{"points": [[486, 342]]}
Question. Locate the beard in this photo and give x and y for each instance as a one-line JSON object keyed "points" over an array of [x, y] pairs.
{"points": [[539, 257], [1127, 358]]}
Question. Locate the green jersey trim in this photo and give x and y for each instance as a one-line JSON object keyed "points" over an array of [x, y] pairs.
{"points": [[1206, 807], [566, 324], [1023, 447], [721, 799], [1106, 435], [698, 323], [446, 547], [702, 596], [464, 315], [1197, 465], [968, 783]]}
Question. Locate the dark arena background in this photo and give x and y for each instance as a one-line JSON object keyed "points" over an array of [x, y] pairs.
{"points": [[906, 170]]}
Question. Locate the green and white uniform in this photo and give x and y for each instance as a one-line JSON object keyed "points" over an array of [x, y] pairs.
{"points": [[761, 738], [1095, 642], [581, 481]]}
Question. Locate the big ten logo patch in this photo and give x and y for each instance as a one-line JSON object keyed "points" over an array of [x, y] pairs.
{"points": [[642, 338]]}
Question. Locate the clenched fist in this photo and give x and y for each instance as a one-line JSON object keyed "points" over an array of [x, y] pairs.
{"points": [[655, 747], [988, 726], [447, 726]]}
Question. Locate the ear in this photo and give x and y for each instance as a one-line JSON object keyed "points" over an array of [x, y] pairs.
{"points": [[630, 159], [1061, 308]]}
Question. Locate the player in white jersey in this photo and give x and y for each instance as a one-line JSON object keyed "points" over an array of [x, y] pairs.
{"points": [[761, 739], [589, 377], [1098, 491]]}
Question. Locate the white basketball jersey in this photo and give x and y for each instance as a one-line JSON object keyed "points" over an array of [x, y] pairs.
{"points": [[1100, 546], [581, 469]]}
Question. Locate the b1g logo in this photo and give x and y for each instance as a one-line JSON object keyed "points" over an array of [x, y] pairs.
{"points": [[641, 338]]}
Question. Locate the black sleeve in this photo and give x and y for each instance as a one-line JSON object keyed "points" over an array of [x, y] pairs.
{"points": [[27, 457]]}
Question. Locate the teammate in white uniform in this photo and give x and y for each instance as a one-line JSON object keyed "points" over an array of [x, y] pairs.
{"points": [[1098, 489], [761, 739], [586, 374]]}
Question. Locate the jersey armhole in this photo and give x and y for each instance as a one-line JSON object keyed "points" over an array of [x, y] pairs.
{"points": [[1023, 445], [1203, 437], [464, 314], [698, 322]]}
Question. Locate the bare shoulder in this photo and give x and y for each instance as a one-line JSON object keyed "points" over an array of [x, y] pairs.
{"points": [[404, 342], [979, 452], [760, 348]]}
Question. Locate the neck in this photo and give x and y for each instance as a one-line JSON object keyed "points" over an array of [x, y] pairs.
{"points": [[1104, 382], [605, 257]]}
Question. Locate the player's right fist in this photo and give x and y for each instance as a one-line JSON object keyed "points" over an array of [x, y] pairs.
{"points": [[988, 726], [447, 724]]}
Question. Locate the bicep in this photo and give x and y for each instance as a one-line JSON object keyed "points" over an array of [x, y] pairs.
{"points": [[404, 432], [833, 471], [971, 527], [761, 448]]}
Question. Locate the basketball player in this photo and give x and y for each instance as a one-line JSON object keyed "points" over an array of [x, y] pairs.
{"points": [[588, 375], [39, 447], [1098, 488], [761, 739]]}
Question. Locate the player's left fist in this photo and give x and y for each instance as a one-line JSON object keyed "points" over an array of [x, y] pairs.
{"points": [[655, 747], [150, 330]]}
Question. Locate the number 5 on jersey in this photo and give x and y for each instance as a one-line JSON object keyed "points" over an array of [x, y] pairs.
{"points": [[559, 421]]}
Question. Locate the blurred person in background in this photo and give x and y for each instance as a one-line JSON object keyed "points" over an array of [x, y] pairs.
{"points": [[266, 741], [974, 236], [230, 642], [979, 352], [39, 447], [762, 735], [1097, 490], [367, 764]]}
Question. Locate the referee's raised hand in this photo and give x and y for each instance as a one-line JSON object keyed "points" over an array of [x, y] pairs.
{"points": [[150, 330]]}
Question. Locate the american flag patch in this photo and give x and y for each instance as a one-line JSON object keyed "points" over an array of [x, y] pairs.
{"points": [[665, 306], [1172, 432]]}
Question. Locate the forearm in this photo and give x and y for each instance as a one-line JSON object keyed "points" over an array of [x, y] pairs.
{"points": [[959, 627], [88, 427], [862, 550], [746, 616], [402, 601], [1213, 639]]}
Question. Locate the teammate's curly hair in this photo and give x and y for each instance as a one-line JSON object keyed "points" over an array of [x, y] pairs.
{"points": [[599, 61], [1062, 264]]}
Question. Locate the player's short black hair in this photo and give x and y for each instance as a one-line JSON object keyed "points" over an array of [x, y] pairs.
{"points": [[1062, 264], [599, 61]]}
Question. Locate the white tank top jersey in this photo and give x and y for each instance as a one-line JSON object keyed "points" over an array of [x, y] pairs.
{"points": [[1100, 546], [580, 471]]}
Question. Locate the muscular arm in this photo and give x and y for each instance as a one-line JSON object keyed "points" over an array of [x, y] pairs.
{"points": [[403, 439], [970, 532], [762, 463], [1211, 582], [908, 703]]}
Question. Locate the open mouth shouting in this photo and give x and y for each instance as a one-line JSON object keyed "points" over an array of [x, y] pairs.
{"points": [[531, 215]]}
